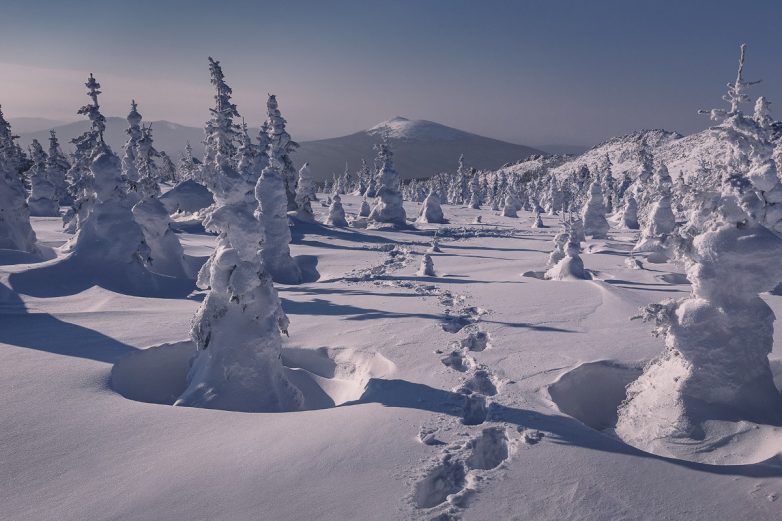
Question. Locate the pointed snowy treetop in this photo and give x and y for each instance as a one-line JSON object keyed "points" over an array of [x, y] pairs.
{"points": [[737, 92], [222, 134], [134, 118], [279, 139], [92, 110]]}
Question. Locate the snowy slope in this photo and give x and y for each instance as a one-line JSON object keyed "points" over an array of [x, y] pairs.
{"points": [[77, 442], [421, 149]]}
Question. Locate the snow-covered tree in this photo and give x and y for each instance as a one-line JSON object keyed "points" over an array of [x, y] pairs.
{"points": [[336, 215], [15, 230], [660, 223], [236, 331], [510, 205], [365, 209], [305, 193], [166, 256], [167, 168], [222, 132], [86, 146], [475, 192], [762, 114], [57, 167], [42, 201], [388, 208], [569, 267], [595, 223], [426, 269], [189, 167], [715, 366], [431, 212], [271, 192], [134, 132], [630, 214]]}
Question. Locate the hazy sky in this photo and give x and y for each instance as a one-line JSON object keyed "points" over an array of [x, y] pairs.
{"points": [[532, 72]]}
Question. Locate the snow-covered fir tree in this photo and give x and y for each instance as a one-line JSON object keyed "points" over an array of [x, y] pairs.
{"points": [[57, 167], [595, 223], [272, 195], [715, 365], [431, 211], [166, 256], [15, 230], [134, 132], [237, 329], [336, 215], [388, 208], [305, 193], [167, 169], [42, 201]]}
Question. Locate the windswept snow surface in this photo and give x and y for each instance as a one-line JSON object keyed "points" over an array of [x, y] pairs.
{"points": [[473, 394]]}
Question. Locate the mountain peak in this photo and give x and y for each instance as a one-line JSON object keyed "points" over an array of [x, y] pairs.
{"points": [[415, 129]]}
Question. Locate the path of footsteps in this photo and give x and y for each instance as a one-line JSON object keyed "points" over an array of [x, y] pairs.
{"points": [[441, 489]]}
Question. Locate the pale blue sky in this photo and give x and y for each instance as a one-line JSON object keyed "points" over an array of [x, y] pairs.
{"points": [[533, 72]]}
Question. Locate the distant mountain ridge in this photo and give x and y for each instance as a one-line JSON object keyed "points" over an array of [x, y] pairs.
{"points": [[421, 148]]}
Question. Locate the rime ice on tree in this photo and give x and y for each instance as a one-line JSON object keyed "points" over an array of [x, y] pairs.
{"points": [[336, 213], [431, 212], [43, 195], [715, 366], [237, 365], [595, 223], [270, 192], [305, 193], [15, 230], [166, 255], [389, 203], [57, 168], [129, 166]]}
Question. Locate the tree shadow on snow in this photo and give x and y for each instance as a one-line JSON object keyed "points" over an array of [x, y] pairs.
{"points": [[20, 327], [561, 429]]}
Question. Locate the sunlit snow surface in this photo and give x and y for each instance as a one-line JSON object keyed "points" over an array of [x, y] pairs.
{"points": [[472, 394]]}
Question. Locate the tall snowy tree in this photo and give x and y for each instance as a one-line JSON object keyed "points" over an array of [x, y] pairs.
{"points": [[236, 331], [271, 194], [222, 133], [715, 366]]}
